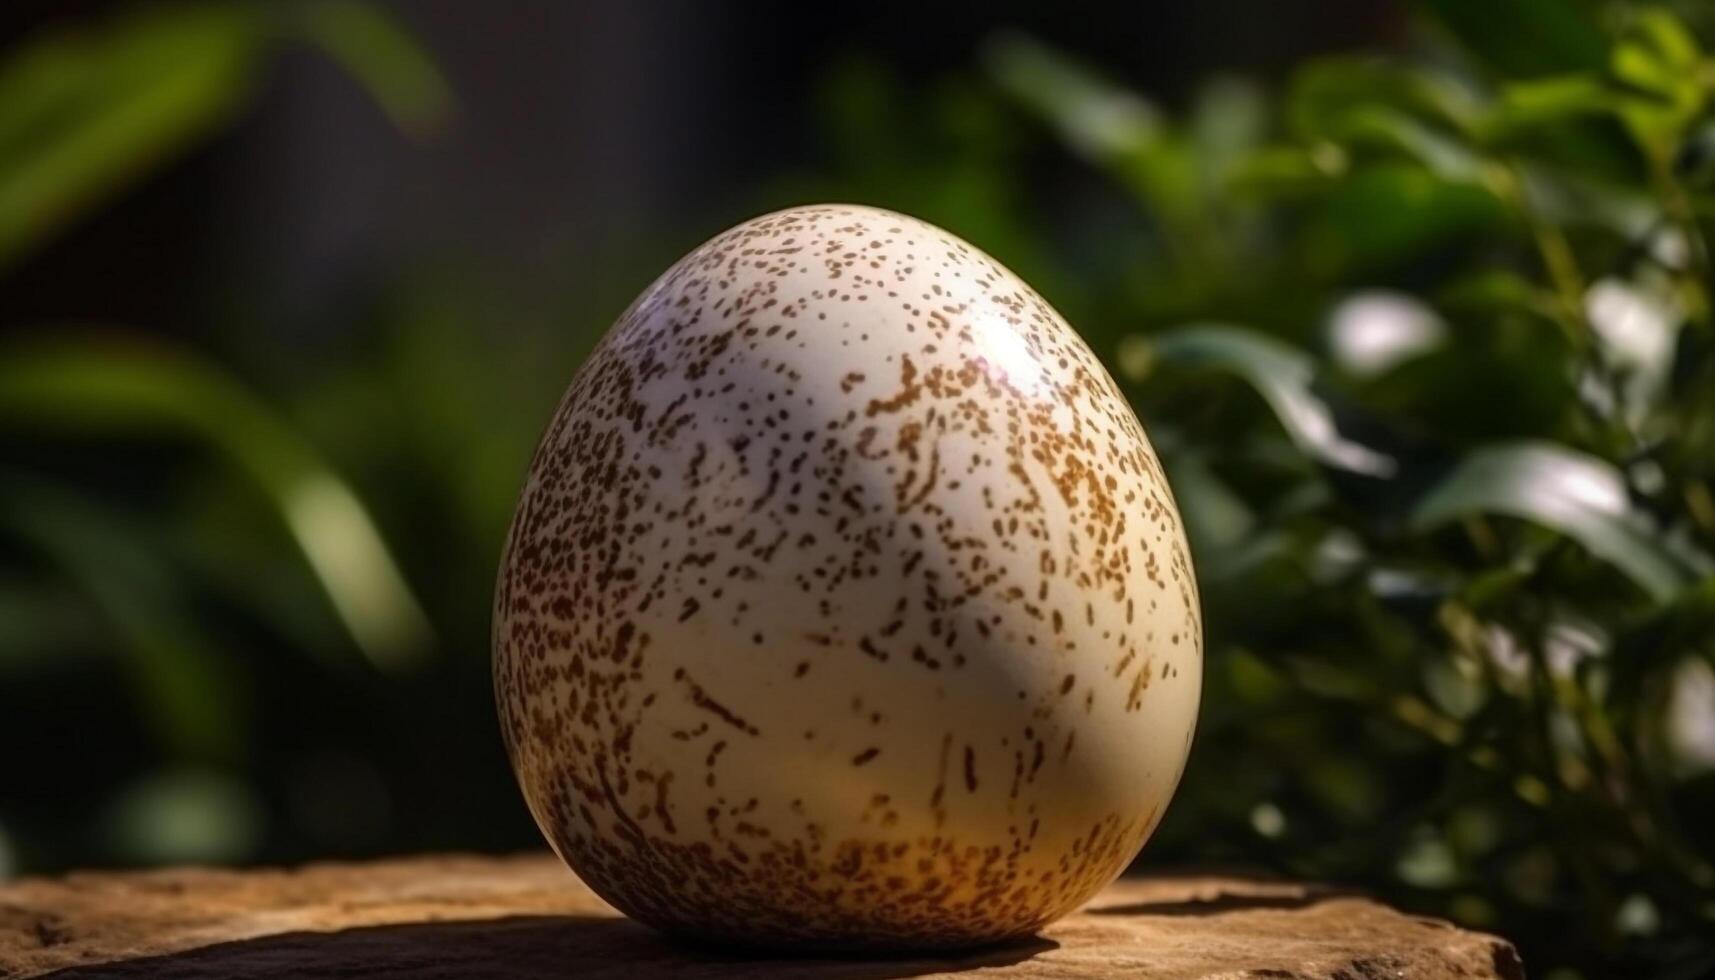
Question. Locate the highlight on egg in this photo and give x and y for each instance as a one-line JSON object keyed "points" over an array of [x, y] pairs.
{"points": [[846, 605]]}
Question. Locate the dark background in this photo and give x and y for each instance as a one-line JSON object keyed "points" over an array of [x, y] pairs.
{"points": [[1461, 686], [581, 127]]}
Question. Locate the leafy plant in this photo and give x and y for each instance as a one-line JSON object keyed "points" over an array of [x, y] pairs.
{"points": [[83, 114], [1457, 555]]}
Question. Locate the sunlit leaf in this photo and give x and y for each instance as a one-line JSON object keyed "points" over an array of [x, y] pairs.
{"points": [[1689, 725], [1527, 105], [81, 116], [1637, 329], [185, 815], [1658, 53], [1659, 57], [1372, 331], [1283, 376], [103, 385], [1094, 116], [1573, 493]]}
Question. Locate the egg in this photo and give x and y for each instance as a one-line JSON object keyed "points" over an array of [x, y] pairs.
{"points": [[846, 605]]}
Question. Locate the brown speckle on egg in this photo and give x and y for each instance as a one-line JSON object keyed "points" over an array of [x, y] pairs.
{"points": [[846, 604]]}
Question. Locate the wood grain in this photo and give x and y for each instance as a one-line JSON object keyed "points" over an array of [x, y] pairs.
{"points": [[528, 917]]}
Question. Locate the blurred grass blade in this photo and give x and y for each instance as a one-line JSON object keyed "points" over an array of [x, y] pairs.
{"points": [[80, 116], [1096, 118], [83, 115], [1391, 129], [1170, 171], [1283, 376], [381, 55], [181, 679], [1527, 105], [105, 386], [1577, 495], [1325, 93]]}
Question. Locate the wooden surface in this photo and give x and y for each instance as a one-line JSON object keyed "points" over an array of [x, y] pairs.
{"points": [[528, 917]]}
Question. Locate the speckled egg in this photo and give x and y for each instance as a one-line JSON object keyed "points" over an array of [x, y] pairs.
{"points": [[846, 605]]}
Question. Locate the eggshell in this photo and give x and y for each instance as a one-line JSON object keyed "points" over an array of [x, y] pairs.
{"points": [[846, 604]]}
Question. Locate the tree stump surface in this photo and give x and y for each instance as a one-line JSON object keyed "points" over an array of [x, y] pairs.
{"points": [[528, 917]]}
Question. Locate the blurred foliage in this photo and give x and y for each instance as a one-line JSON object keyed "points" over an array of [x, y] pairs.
{"points": [[1424, 337], [1426, 343], [274, 692], [83, 114]]}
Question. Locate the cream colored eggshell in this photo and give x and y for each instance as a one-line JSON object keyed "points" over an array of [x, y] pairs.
{"points": [[846, 603]]}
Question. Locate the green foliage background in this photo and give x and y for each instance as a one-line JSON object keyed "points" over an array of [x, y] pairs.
{"points": [[1425, 340]]}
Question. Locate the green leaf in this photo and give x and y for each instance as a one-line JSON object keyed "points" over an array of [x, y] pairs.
{"points": [[1325, 92], [1438, 152], [81, 117], [1283, 376], [181, 679], [1109, 125], [1573, 200], [1659, 54], [1373, 108], [1286, 171], [1636, 325], [1529, 105], [106, 386], [1217, 519], [1570, 492], [1370, 332], [1498, 291], [1579, 123], [1685, 622], [1388, 213], [1660, 58], [1095, 117], [1228, 119], [385, 58], [1526, 38]]}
